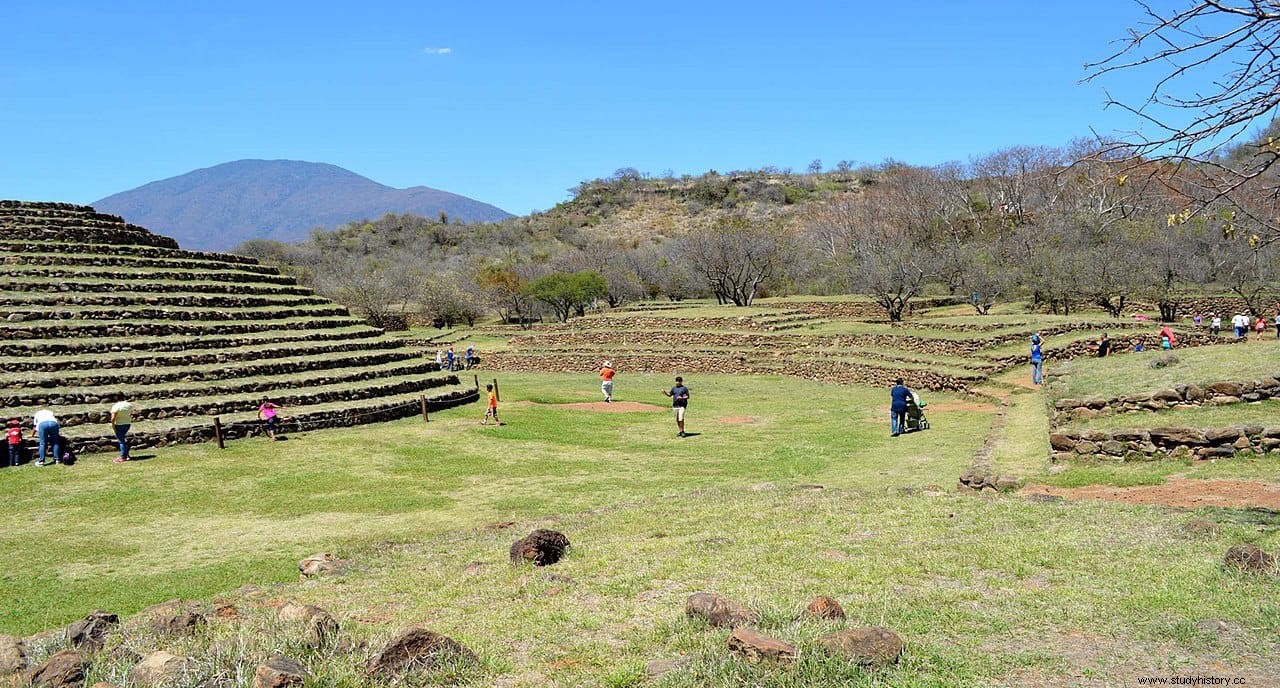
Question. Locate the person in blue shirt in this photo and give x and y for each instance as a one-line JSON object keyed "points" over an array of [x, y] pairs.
{"points": [[1037, 365], [898, 408]]}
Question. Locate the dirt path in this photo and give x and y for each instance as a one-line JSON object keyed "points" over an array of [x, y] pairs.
{"points": [[1182, 493]]}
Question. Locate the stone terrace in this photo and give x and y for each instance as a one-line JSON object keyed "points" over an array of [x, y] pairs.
{"points": [[95, 309]]}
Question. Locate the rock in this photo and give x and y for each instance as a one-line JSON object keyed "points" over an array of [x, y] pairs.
{"points": [[416, 648], [718, 610], [1216, 626], [755, 646], [320, 563], [475, 568], [104, 684], [1221, 435], [1242, 443], [1215, 453], [1225, 389], [13, 655], [1175, 436], [1224, 401], [320, 628], [279, 671], [64, 669], [1061, 442], [1164, 361], [869, 645], [1006, 483], [1086, 448], [824, 607], [226, 610], [542, 547], [90, 633], [1044, 498], [1113, 447], [1084, 413], [660, 667], [175, 617], [1167, 395], [158, 667], [1195, 393], [1249, 559], [1201, 526]]}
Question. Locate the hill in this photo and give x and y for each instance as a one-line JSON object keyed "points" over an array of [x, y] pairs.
{"points": [[219, 207]]}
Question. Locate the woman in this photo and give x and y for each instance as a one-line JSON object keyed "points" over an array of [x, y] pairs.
{"points": [[47, 429]]}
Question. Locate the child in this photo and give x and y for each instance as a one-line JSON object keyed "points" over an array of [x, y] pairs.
{"points": [[267, 412], [14, 434], [493, 407]]}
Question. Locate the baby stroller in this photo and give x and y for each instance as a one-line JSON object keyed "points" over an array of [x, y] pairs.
{"points": [[915, 413]]}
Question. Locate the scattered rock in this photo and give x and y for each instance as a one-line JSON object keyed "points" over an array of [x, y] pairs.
{"points": [[320, 626], [1249, 559], [416, 649], [542, 547], [320, 563], [1225, 389], [659, 667], [500, 525], [824, 607], [755, 646], [1201, 526], [158, 667], [869, 645], [1222, 435], [64, 669], [278, 672], [13, 655], [90, 633], [1044, 498], [1164, 361], [718, 610]]}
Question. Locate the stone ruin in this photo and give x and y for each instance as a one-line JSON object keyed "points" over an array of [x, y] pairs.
{"points": [[93, 309]]}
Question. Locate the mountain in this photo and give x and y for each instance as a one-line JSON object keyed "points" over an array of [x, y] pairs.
{"points": [[219, 207]]}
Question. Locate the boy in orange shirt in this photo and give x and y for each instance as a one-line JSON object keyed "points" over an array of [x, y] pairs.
{"points": [[606, 382], [493, 407]]}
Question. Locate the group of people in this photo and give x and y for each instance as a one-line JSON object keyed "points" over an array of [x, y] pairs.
{"points": [[448, 360], [1102, 348], [52, 447]]}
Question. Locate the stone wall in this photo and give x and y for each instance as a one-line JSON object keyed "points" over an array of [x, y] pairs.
{"points": [[1178, 396], [190, 342], [1121, 344], [1156, 443], [22, 220]]}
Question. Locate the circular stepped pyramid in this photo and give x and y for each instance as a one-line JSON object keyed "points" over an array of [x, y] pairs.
{"points": [[95, 309]]}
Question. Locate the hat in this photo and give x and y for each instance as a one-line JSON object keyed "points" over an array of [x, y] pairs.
{"points": [[608, 364]]}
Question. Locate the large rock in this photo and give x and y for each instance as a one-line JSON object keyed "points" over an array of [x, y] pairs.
{"points": [[90, 633], [319, 627], [64, 669], [1249, 558], [416, 649], [1222, 435], [718, 610], [542, 547], [157, 668], [13, 655], [824, 607], [1061, 442], [1225, 389], [279, 672], [755, 646], [1173, 436], [320, 563], [1167, 395], [869, 645]]}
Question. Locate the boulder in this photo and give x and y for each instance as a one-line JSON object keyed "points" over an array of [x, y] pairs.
{"points": [[542, 547], [13, 655], [1221, 435], [319, 626], [63, 669], [278, 672], [1194, 393], [1167, 395], [718, 610], [1174, 436], [1242, 443], [416, 649], [157, 668], [1225, 389], [320, 563], [1215, 452], [1086, 448], [1249, 558], [1061, 442], [755, 646], [824, 607], [1113, 447], [872, 646], [90, 633]]}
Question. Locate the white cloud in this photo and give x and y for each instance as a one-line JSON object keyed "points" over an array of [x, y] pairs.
{"points": [[437, 51]]}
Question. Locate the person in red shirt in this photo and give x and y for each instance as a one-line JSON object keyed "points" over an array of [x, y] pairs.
{"points": [[14, 435], [492, 411], [606, 382]]}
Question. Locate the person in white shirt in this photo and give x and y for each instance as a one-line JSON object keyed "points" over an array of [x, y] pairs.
{"points": [[121, 419], [48, 432]]}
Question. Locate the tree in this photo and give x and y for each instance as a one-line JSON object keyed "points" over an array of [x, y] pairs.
{"points": [[736, 256], [504, 289], [567, 293]]}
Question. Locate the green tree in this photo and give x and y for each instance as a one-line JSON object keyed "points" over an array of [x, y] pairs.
{"points": [[568, 293]]}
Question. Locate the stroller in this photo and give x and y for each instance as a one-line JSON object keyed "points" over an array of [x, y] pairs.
{"points": [[915, 413]]}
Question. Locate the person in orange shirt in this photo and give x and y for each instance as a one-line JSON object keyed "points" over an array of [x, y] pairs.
{"points": [[492, 412], [606, 382]]}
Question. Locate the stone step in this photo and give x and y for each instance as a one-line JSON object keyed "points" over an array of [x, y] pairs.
{"points": [[10, 332], [8, 245], [37, 317], [239, 401], [89, 439], [199, 341], [44, 209], [25, 301], [182, 371], [51, 285], [220, 354], [128, 274], [121, 236], [137, 262]]}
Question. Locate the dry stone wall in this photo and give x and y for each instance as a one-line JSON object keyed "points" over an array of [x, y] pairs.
{"points": [[1156, 443], [1178, 396]]}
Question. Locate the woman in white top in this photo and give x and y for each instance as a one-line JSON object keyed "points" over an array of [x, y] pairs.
{"points": [[47, 432]]}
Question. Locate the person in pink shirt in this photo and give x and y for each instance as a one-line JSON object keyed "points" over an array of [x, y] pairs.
{"points": [[269, 413]]}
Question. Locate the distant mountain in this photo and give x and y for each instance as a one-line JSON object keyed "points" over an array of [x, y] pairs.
{"points": [[219, 207]]}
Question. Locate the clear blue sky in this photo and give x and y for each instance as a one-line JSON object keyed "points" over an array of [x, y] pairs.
{"points": [[512, 103]]}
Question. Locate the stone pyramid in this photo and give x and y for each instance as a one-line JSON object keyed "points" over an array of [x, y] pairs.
{"points": [[93, 309]]}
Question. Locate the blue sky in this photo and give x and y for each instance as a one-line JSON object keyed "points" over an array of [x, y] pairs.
{"points": [[512, 103]]}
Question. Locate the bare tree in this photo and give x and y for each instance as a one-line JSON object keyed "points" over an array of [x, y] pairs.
{"points": [[738, 256]]}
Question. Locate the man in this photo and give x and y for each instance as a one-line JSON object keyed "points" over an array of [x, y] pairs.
{"points": [[679, 402], [1104, 346], [606, 382], [470, 355], [1239, 323], [898, 407], [121, 419], [1037, 365]]}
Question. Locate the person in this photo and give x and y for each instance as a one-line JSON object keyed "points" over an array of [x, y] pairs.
{"points": [[492, 411], [606, 382], [47, 433], [121, 419], [269, 413], [679, 403], [1260, 326], [1139, 346], [1037, 365], [1104, 346], [470, 355], [1215, 325], [898, 407], [1166, 332], [1240, 324], [1036, 339], [439, 360], [14, 434], [449, 358], [1197, 320], [1278, 325]]}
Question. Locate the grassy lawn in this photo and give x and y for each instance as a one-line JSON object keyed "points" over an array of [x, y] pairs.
{"points": [[1133, 374]]}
